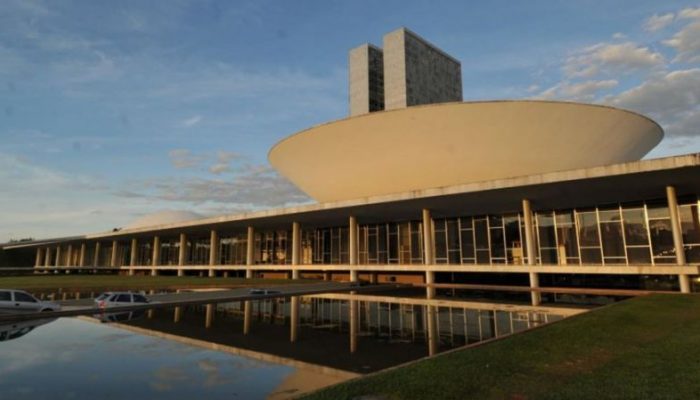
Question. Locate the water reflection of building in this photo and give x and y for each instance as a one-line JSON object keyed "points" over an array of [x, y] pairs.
{"points": [[538, 193], [391, 330]]}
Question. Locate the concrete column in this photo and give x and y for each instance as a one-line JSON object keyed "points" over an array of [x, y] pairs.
{"points": [[683, 280], [247, 315], [134, 252], [178, 314], [353, 325], [96, 256], [432, 330], [182, 254], [353, 236], [115, 253], [529, 233], [429, 280], [209, 316], [155, 259], [536, 297], [428, 252], [39, 257], [47, 257], [58, 256], [250, 253], [213, 251], [296, 249], [69, 255], [294, 320], [83, 251]]}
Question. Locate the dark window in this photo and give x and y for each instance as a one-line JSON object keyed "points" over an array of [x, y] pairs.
{"points": [[139, 299], [23, 297], [635, 228], [124, 298], [5, 296]]}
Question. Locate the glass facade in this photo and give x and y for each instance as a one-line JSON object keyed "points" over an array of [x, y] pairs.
{"points": [[628, 234]]}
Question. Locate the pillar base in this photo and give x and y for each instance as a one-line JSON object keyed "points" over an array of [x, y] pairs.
{"points": [[684, 281]]}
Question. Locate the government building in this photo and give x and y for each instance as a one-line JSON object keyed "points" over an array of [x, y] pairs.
{"points": [[418, 186]]}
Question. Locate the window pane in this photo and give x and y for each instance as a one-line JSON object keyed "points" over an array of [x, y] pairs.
{"points": [[690, 226], [548, 256], [638, 255], [692, 254], [609, 215], [23, 297], [567, 241], [611, 234], [497, 245], [545, 227], [635, 227], [5, 296], [467, 243], [657, 212], [590, 256], [588, 229], [565, 218], [480, 228], [661, 237]]}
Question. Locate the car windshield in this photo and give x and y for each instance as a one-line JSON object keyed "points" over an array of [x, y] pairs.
{"points": [[103, 296], [24, 297]]}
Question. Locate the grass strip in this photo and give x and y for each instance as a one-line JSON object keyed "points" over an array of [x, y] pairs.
{"points": [[643, 348]]}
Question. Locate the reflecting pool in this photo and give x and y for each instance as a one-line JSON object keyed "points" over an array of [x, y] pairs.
{"points": [[71, 358], [268, 348]]}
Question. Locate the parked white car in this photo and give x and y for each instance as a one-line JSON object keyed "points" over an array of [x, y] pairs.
{"points": [[119, 299], [19, 301]]}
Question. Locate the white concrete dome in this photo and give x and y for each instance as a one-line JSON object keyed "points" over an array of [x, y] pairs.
{"points": [[456, 143]]}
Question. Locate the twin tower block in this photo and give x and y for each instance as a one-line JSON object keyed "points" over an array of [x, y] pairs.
{"points": [[408, 71]]}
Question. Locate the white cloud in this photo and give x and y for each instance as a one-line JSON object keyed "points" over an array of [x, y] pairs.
{"points": [[673, 99], [689, 13], [219, 168], [619, 36], [669, 94], [192, 121], [686, 42], [579, 91], [183, 158], [622, 58], [658, 22], [250, 187]]}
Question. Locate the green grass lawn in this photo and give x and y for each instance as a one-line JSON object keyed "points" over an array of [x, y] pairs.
{"points": [[114, 282], [643, 348]]}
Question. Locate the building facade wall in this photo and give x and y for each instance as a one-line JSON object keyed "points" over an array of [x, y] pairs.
{"points": [[416, 72], [366, 70]]}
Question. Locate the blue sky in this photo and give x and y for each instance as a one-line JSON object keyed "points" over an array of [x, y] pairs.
{"points": [[113, 110]]}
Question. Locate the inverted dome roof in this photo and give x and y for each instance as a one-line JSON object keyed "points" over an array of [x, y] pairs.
{"points": [[455, 143]]}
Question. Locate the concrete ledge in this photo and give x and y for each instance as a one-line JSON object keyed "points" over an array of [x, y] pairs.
{"points": [[421, 268]]}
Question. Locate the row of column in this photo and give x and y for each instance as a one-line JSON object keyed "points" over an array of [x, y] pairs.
{"points": [[43, 255]]}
